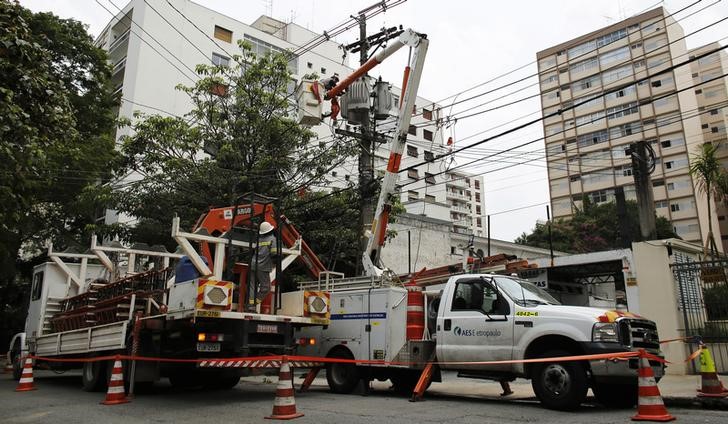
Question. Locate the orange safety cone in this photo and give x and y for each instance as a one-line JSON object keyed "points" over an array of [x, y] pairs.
{"points": [[26, 378], [284, 405], [650, 406], [115, 394], [711, 385]]}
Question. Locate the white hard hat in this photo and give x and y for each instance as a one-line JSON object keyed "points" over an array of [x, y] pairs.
{"points": [[265, 228]]}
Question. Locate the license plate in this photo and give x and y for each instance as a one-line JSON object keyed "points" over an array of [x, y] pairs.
{"points": [[208, 347], [267, 328]]}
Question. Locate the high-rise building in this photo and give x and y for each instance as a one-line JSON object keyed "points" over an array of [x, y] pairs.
{"points": [[154, 46], [713, 105], [586, 145]]}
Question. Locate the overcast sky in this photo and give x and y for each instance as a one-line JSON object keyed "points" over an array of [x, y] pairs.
{"points": [[471, 42]]}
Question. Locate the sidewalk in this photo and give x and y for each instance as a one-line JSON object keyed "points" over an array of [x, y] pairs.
{"points": [[676, 390]]}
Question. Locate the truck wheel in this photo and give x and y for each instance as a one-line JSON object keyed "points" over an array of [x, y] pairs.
{"points": [[561, 385], [94, 376], [342, 378], [17, 367], [616, 395]]}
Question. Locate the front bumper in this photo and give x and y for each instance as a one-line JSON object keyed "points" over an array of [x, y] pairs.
{"points": [[617, 370]]}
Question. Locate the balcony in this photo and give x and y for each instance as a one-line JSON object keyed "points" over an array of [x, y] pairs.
{"points": [[119, 66], [123, 39], [456, 181], [451, 195], [461, 209]]}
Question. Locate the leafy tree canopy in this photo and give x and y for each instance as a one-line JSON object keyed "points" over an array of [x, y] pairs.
{"points": [[593, 229], [241, 119], [56, 137]]}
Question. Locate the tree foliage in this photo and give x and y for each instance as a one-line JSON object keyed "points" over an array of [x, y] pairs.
{"points": [[240, 117], [56, 136], [594, 228]]}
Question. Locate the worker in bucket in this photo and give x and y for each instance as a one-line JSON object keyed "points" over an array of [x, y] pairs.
{"points": [[263, 261]]}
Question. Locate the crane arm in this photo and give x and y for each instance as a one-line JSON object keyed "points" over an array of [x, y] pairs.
{"points": [[413, 73]]}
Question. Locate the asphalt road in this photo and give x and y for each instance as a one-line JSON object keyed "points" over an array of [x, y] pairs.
{"points": [[59, 399]]}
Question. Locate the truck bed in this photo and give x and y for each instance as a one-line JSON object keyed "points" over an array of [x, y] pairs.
{"points": [[92, 339]]}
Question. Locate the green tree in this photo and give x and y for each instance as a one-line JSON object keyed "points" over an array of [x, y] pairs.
{"points": [[594, 228], [56, 139], [706, 168], [241, 118]]}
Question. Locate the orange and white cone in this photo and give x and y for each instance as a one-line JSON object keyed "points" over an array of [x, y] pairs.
{"points": [[116, 394], [650, 406], [711, 385], [284, 405], [26, 378]]}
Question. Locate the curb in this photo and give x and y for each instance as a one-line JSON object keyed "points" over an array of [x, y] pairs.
{"points": [[697, 403]]}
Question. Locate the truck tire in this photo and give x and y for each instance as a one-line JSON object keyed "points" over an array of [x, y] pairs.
{"points": [[342, 378], [621, 396], [17, 366], [560, 385], [94, 376], [185, 379]]}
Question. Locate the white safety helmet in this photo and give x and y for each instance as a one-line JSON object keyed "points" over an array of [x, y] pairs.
{"points": [[265, 228]]}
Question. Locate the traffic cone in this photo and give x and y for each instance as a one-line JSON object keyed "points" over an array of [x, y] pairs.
{"points": [[650, 406], [26, 378], [710, 383], [284, 405], [115, 394]]}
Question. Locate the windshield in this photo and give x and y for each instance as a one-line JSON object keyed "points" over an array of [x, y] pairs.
{"points": [[524, 293]]}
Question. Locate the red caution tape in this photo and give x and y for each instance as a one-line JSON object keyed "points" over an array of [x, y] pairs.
{"points": [[595, 357]]}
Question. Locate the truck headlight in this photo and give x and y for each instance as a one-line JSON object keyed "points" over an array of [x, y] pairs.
{"points": [[605, 332]]}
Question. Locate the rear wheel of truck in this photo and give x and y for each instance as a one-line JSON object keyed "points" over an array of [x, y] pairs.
{"points": [[616, 395], [185, 378], [221, 382], [561, 385], [342, 378], [17, 366], [94, 377]]}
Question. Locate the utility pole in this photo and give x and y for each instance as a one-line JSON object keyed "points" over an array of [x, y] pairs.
{"points": [[643, 186], [369, 137], [366, 152]]}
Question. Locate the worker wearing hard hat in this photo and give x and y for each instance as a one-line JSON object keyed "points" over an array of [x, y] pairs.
{"points": [[263, 260]]}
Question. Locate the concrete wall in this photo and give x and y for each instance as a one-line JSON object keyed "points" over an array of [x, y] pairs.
{"points": [[658, 295]]}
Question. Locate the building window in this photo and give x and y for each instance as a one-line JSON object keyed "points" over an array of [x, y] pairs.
{"points": [[479, 221], [429, 178], [412, 173], [477, 209], [477, 184], [675, 207], [427, 135], [661, 204], [477, 197], [412, 195], [430, 198], [412, 130], [323, 71], [427, 114], [412, 151], [220, 60], [223, 34], [309, 65], [429, 157]]}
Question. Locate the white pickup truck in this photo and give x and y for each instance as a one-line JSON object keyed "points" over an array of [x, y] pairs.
{"points": [[485, 317]]}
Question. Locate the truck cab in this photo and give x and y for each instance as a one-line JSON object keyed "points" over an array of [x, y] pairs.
{"points": [[485, 317]]}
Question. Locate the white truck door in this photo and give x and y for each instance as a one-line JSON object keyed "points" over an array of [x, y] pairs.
{"points": [[477, 325]]}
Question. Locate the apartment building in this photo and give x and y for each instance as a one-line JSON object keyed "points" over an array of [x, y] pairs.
{"points": [[154, 46], [585, 146], [713, 104]]}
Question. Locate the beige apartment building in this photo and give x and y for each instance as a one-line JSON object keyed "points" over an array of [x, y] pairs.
{"points": [[585, 146], [713, 103]]}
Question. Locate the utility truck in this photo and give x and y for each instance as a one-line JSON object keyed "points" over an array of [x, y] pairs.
{"points": [[129, 301], [477, 318]]}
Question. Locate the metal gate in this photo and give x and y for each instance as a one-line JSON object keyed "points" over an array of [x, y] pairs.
{"points": [[703, 302]]}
